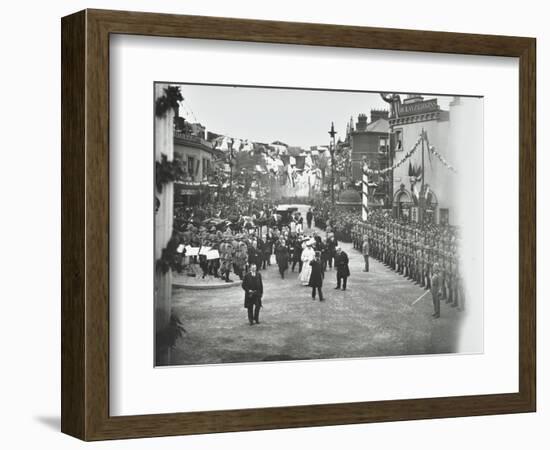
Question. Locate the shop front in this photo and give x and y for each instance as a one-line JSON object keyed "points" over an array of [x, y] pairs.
{"points": [[194, 193]]}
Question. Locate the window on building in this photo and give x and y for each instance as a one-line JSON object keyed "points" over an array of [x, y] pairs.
{"points": [[383, 145], [398, 140], [205, 168], [191, 167]]}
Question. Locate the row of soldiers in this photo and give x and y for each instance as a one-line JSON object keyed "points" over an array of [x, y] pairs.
{"points": [[413, 251], [237, 251]]}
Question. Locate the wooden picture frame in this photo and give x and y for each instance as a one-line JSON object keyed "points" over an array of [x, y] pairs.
{"points": [[85, 224]]}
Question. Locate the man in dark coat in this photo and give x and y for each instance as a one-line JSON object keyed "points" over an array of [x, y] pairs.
{"points": [[282, 256], [341, 262], [309, 218], [254, 255], [317, 275], [297, 254], [332, 243], [253, 292], [267, 249]]}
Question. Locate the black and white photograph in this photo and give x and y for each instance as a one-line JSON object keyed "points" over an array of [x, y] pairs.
{"points": [[298, 224]]}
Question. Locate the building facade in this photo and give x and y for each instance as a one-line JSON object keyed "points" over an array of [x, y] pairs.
{"points": [[370, 141], [423, 189], [199, 158]]}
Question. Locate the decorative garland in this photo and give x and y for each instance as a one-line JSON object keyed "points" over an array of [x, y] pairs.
{"points": [[171, 98], [443, 160], [395, 165], [168, 171]]}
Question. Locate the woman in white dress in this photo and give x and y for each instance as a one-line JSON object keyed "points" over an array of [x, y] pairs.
{"points": [[307, 255], [299, 225]]}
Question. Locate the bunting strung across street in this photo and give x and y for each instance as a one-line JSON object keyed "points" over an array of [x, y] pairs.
{"points": [[443, 160], [396, 164]]}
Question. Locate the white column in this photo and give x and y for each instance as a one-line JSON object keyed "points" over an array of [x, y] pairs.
{"points": [[164, 144], [364, 197]]}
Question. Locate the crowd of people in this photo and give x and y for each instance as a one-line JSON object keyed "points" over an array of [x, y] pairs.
{"points": [[421, 252], [337, 219], [234, 238], [247, 232]]}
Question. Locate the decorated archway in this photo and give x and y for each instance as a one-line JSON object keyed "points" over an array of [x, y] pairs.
{"points": [[430, 204], [402, 203]]}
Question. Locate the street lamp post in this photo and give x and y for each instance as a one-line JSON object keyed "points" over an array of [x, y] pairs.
{"points": [[230, 152], [332, 134]]}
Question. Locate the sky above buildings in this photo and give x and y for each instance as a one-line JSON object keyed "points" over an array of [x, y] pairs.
{"points": [[296, 117]]}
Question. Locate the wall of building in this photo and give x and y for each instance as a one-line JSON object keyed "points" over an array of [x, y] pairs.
{"points": [[435, 174], [366, 144], [197, 154]]}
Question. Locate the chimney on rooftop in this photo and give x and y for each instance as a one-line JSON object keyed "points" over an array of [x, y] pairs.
{"points": [[361, 122], [376, 114]]}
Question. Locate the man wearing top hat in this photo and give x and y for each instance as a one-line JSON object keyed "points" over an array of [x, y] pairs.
{"points": [[282, 256], [332, 243], [296, 252], [341, 262], [253, 292], [316, 277]]}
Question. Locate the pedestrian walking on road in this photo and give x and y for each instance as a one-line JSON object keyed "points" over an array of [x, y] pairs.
{"points": [[253, 292], [309, 218], [332, 243], [316, 278], [308, 255], [296, 250], [282, 256], [341, 261], [365, 251]]}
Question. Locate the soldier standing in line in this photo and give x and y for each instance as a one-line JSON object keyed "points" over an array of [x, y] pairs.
{"points": [[393, 251], [404, 257], [410, 261], [398, 256], [226, 255], [241, 259], [448, 277], [365, 252], [422, 266], [436, 291], [429, 264], [418, 265]]}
